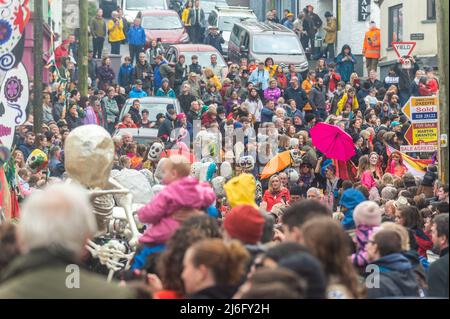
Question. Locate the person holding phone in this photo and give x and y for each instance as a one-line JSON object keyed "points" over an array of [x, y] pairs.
{"points": [[116, 33]]}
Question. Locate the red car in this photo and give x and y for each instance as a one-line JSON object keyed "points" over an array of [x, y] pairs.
{"points": [[203, 52], [164, 24]]}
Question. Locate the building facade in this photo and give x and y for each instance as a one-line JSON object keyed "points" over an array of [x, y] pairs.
{"points": [[353, 18], [409, 21]]}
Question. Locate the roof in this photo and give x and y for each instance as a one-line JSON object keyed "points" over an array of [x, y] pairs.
{"points": [[153, 99], [194, 48], [233, 11], [159, 13], [263, 27]]}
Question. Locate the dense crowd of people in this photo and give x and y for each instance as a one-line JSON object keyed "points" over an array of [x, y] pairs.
{"points": [[314, 229]]}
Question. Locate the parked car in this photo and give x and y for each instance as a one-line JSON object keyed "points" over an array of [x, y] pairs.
{"points": [[164, 24], [203, 52], [108, 6], [154, 105], [131, 8], [224, 19], [209, 5], [258, 41]]}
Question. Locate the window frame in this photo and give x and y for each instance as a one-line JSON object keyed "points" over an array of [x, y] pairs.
{"points": [[431, 10], [391, 11]]}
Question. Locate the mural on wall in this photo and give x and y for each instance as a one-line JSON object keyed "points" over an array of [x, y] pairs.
{"points": [[14, 93]]}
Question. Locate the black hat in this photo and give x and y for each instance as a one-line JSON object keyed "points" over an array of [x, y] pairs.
{"points": [[159, 116], [220, 109], [170, 107], [328, 14]]}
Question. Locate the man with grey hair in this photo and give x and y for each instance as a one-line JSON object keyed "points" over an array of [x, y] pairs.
{"points": [[314, 194], [54, 227]]}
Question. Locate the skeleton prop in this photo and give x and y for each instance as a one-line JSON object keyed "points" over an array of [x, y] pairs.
{"points": [[89, 154]]}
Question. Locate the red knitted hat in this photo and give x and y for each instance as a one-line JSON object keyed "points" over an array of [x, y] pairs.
{"points": [[245, 223]]}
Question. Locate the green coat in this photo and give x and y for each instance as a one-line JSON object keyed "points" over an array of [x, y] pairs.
{"points": [[42, 274]]}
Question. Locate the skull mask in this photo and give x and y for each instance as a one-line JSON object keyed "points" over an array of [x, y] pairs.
{"points": [[296, 157], [154, 153], [246, 163]]}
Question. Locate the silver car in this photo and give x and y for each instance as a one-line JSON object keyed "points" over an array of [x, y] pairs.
{"points": [[154, 105]]}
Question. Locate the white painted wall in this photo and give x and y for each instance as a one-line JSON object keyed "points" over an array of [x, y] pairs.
{"points": [[414, 16], [352, 31]]}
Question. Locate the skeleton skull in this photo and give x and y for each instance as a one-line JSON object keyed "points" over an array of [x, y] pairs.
{"points": [[246, 162], [89, 155], [154, 153], [225, 170], [296, 157]]}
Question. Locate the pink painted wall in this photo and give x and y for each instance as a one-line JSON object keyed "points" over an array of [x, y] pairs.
{"points": [[27, 59]]}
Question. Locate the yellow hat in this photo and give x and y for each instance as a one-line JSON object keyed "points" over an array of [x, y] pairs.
{"points": [[241, 190]]}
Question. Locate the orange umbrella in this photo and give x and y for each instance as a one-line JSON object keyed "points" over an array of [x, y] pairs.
{"points": [[278, 163]]}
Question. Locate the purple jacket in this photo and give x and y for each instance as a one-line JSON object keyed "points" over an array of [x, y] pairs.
{"points": [[362, 234], [272, 94], [186, 192], [90, 117]]}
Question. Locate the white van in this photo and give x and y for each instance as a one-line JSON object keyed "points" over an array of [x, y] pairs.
{"points": [[132, 7]]}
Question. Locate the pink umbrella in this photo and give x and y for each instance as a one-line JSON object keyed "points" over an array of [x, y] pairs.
{"points": [[333, 141]]}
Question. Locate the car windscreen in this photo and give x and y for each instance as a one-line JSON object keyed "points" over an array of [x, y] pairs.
{"points": [[276, 44], [152, 108], [145, 4], [204, 58], [161, 22], [227, 23]]}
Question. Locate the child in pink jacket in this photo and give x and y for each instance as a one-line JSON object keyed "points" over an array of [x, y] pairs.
{"points": [[367, 217], [182, 197]]}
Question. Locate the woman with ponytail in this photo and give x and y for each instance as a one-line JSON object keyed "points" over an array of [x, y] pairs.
{"points": [[213, 269]]}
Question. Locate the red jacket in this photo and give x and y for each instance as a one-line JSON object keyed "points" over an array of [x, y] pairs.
{"points": [[273, 199], [123, 125], [60, 52], [424, 90], [433, 85]]}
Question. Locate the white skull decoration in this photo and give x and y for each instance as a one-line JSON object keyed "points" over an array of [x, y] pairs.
{"points": [[246, 163], [258, 192], [14, 16], [158, 172], [225, 170], [217, 184], [296, 157], [293, 175], [195, 169], [155, 151]]}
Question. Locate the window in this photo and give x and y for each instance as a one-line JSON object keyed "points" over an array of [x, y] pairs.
{"points": [[395, 24], [431, 9]]}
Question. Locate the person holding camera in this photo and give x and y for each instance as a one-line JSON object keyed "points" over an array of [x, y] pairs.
{"points": [[143, 71], [116, 33], [215, 39], [372, 47], [260, 78]]}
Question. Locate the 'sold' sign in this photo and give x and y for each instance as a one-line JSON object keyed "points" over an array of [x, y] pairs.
{"points": [[363, 10]]}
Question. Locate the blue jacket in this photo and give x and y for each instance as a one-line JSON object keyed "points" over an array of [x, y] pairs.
{"points": [[260, 79], [125, 77], [136, 36], [135, 94], [289, 24], [267, 115], [26, 150], [345, 68], [157, 77], [169, 93], [396, 278], [350, 199]]}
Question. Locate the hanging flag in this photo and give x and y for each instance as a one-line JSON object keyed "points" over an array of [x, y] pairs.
{"points": [[417, 167]]}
